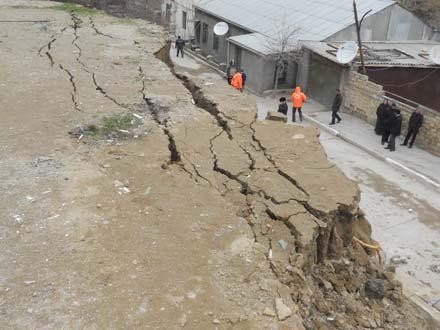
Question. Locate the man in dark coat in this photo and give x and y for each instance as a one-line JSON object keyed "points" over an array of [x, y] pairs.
{"points": [[380, 113], [388, 116], [396, 129], [337, 101], [283, 107], [180, 44], [414, 125]]}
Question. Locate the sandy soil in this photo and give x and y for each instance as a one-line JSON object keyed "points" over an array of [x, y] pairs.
{"points": [[194, 217]]}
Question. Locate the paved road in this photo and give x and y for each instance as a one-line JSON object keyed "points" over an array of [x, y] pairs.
{"points": [[404, 213]]}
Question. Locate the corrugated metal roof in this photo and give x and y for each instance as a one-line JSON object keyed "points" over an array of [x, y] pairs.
{"points": [[255, 42], [316, 19], [383, 53]]}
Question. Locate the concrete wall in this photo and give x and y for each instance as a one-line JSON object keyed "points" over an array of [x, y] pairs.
{"points": [[220, 55], [392, 23], [362, 97]]}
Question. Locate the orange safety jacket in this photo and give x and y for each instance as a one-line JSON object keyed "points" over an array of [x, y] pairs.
{"points": [[298, 98]]}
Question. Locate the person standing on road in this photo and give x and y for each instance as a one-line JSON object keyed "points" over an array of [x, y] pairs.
{"points": [[243, 77], [380, 114], [396, 129], [230, 71], [337, 101], [237, 81], [415, 123], [283, 107], [180, 44], [298, 99], [388, 116]]}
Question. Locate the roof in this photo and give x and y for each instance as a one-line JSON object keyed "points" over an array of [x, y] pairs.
{"points": [[316, 19], [383, 53], [255, 42]]}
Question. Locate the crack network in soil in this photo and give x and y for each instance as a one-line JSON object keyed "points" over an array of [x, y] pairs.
{"points": [[73, 94]]}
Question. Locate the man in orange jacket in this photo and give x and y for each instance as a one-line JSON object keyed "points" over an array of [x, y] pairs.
{"points": [[298, 99], [237, 81]]}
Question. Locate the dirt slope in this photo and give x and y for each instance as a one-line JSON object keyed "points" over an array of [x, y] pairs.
{"points": [[194, 215]]}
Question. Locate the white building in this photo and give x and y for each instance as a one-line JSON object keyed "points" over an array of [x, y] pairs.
{"points": [[179, 15]]}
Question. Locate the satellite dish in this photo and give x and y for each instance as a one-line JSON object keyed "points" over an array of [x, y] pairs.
{"points": [[221, 28], [434, 54], [347, 52]]}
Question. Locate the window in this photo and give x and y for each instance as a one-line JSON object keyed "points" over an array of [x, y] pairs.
{"points": [[205, 33], [215, 41], [184, 20], [197, 31]]}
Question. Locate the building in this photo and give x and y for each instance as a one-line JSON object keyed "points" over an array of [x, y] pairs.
{"points": [[180, 15], [403, 69], [255, 25]]}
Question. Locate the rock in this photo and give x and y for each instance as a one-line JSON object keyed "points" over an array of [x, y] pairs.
{"points": [[327, 285], [283, 311], [269, 312], [276, 116], [434, 268], [375, 288], [183, 320], [398, 260], [216, 321]]}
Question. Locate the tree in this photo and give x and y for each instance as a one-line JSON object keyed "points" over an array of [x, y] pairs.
{"points": [[282, 45]]}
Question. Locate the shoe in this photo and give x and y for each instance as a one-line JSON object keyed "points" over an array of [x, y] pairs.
{"points": [[387, 148], [392, 150], [339, 121], [331, 123], [410, 146], [382, 142], [403, 144]]}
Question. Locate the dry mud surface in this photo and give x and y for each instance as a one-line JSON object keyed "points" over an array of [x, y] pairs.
{"points": [[196, 217]]}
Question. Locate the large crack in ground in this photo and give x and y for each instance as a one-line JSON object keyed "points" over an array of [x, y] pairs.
{"points": [[72, 82]]}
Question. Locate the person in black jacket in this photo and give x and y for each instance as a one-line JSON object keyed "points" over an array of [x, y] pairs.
{"points": [[415, 123], [388, 116], [380, 114], [396, 129], [337, 101], [180, 44], [283, 107]]}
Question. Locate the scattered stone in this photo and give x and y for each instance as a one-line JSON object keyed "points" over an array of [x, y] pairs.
{"points": [[269, 312], [216, 321], [29, 282], [398, 260], [375, 288], [435, 268], [183, 320], [283, 311], [118, 183], [327, 285], [283, 244]]}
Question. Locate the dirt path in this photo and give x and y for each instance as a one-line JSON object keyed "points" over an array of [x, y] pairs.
{"points": [[190, 215]]}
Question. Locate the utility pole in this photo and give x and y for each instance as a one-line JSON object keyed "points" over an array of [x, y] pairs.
{"points": [[358, 31]]}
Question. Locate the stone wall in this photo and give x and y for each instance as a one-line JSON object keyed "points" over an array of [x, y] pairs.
{"points": [[362, 97]]}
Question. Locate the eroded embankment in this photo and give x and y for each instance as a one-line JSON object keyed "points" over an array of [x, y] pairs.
{"points": [[307, 220]]}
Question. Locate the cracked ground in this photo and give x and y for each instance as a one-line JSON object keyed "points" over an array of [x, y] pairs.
{"points": [[198, 219]]}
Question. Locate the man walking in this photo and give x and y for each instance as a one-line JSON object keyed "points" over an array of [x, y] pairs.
{"points": [[337, 101], [298, 99], [396, 129], [415, 123], [180, 44]]}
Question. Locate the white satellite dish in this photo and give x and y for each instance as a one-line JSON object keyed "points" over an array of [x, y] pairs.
{"points": [[347, 52], [434, 54], [221, 28]]}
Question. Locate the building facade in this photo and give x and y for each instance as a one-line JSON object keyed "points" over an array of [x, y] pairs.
{"points": [[247, 40]]}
